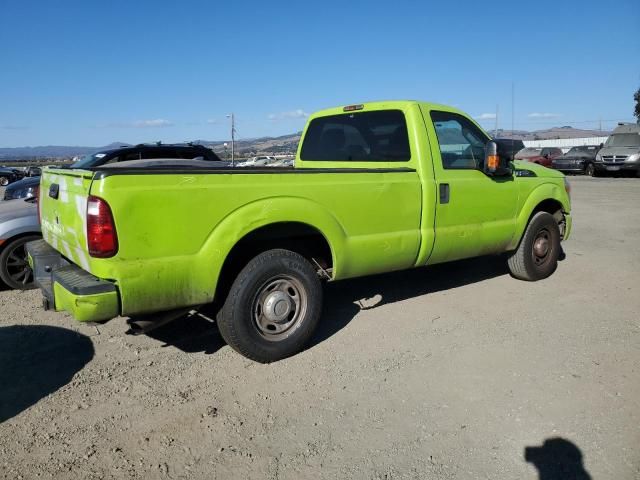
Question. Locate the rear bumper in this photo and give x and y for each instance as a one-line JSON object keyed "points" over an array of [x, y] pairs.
{"points": [[67, 287]]}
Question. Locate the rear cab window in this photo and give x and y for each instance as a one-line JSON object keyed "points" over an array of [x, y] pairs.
{"points": [[376, 136]]}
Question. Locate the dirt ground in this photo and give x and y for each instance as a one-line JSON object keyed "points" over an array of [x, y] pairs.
{"points": [[455, 371]]}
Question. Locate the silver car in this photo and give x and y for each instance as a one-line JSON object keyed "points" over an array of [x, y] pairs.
{"points": [[18, 225], [621, 152]]}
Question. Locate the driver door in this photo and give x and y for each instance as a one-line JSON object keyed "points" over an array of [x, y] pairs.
{"points": [[475, 213]]}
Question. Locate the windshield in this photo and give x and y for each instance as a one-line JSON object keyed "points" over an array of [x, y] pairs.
{"points": [[623, 140], [88, 161]]}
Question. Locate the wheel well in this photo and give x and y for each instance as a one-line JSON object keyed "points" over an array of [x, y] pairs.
{"points": [[15, 237], [297, 237], [552, 207]]}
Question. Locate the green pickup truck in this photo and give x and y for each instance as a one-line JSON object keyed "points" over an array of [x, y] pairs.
{"points": [[376, 187]]}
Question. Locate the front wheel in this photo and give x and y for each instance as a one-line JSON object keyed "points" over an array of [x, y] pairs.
{"points": [[273, 307], [4, 181], [590, 170], [15, 271], [537, 255]]}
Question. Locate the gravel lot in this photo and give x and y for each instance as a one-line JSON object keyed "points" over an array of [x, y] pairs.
{"points": [[439, 373]]}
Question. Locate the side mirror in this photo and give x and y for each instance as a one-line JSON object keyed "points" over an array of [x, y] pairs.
{"points": [[494, 164], [601, 145]]}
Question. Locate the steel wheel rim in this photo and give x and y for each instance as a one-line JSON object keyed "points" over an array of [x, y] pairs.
{"points": [[541, 247], [278, 307], [17, 266]]}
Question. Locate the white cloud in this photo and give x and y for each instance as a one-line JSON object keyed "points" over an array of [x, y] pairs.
{"points": [[486, 116], [544, 115], [299, 113], [213, 121], [157, 122]]}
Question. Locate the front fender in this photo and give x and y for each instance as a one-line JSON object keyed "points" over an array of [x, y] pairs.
{"points": [[261, 213], [546, 191]]}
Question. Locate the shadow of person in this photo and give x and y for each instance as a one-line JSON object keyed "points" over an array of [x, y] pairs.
{"points": [[35, 361], [345, 299], [557, 459]]}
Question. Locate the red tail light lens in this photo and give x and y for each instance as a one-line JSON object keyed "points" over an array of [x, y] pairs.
{"points": [[102, 239]]}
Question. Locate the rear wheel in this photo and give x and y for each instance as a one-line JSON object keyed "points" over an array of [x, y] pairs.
{"points": [[4, 181], [537, 255], [273, 306], [15, 271]]}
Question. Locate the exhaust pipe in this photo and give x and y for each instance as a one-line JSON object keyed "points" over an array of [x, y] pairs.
{"points": [[144, 324]]}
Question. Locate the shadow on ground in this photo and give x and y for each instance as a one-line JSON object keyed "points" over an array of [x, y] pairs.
{"points": [[343, 300], [557, 459], [191, 334], [35, 361]]}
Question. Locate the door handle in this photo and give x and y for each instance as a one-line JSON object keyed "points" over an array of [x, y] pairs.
{"points": [[444, 193]]}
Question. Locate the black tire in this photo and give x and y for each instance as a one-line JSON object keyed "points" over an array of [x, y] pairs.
{"points": [[4, 181], [537, 255], [590, 170], [273, 307], [15, 272]]}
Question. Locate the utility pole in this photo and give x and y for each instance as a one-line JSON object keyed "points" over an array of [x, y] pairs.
{"points": [[233, 138], [513, 87], [495, 132]]}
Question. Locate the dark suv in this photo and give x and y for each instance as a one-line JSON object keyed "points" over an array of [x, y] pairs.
{"points": [[577, 160], [28, 187]]}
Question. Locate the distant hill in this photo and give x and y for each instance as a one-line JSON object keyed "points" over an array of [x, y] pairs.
{"points": [[52, 151], [550, 133], [285, 144]]}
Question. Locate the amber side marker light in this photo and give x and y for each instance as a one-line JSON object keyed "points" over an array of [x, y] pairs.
{"points": [[351, 108], [493, 162]]}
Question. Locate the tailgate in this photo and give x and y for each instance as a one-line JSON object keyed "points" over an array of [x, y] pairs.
{"points": [[63, 212]]}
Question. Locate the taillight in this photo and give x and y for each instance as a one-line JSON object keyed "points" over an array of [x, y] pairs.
{"points": [[102, 239]]}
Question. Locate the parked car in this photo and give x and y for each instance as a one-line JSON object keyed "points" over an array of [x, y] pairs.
{"points": [[377, 187], [621, 151], [27, 186], [18, 226], [509, 147], [259, 161], [577, 160], [7, 176], [542, 156], [33, 171]]}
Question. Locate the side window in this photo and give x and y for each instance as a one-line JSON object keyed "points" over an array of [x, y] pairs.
{"points": [[129, 156], [461, 142], [162, 152], [378, 136]]}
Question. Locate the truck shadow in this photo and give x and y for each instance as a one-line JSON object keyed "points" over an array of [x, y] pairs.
{"points": [[191, 334], [557, 459], [35, 361], [345, 299]]}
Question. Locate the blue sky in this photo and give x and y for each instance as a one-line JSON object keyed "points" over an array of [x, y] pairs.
{"points": [[89, 73]]}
